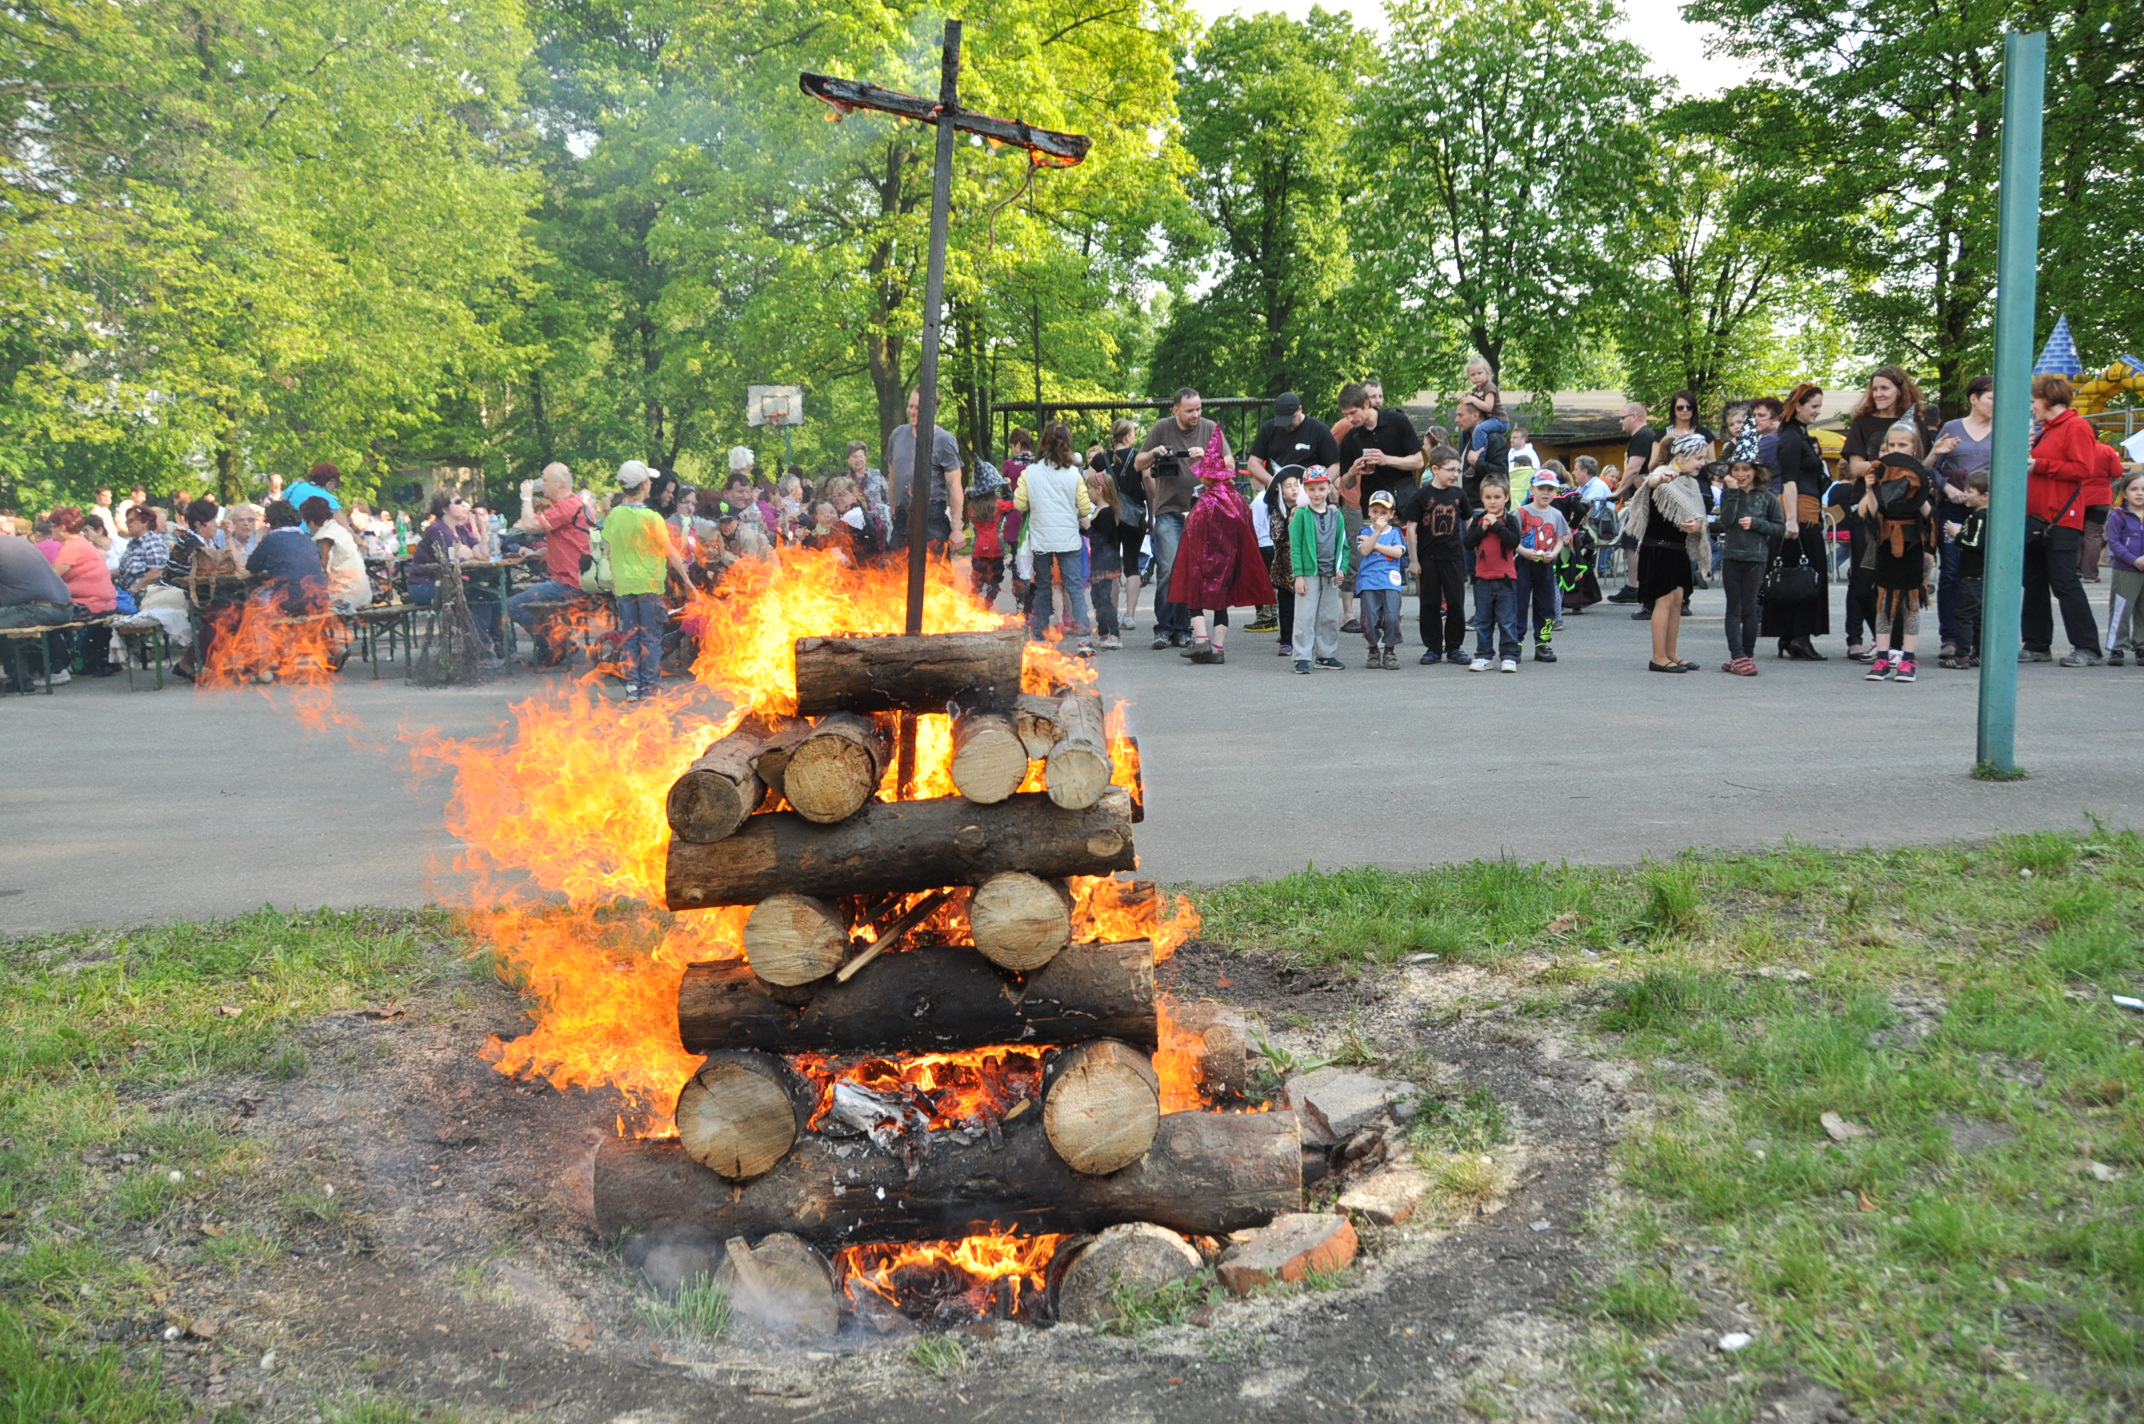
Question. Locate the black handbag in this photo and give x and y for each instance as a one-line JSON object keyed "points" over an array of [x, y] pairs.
{"points": [[2036, 528], [1791, 585], [1131, 492]]}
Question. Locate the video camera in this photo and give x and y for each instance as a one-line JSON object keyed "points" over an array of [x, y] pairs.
{"points": [[1170, 465]]}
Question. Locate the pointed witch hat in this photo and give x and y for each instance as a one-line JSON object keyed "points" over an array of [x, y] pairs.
{"points": [[1214, 464]]}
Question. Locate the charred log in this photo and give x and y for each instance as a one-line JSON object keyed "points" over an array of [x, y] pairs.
{"points": [[902, 846], [1207, 1174], [933, 998]]}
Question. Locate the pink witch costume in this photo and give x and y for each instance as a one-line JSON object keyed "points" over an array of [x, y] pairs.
{"points": [[1218, 565]]}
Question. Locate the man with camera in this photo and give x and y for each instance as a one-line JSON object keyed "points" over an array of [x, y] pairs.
{"points": [[1166, 459]]}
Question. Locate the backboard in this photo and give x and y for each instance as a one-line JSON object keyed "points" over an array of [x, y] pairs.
{"points": [[773, 405]]}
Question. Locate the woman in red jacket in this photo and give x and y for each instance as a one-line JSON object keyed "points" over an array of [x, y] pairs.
{"points": [[2071, 471]]}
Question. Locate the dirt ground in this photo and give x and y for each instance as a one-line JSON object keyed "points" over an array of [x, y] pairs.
{"points": [[440, 1249]]}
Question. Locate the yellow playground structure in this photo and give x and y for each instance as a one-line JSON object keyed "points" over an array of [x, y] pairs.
{"points": [[2093, 393]]}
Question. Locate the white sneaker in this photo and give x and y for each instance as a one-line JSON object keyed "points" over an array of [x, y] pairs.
{"points": [[1511, 665], [1478, 665], [62, 676]]}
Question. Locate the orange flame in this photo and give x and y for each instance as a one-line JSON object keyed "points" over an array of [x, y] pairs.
{"points": [[258, 644], [970, 1089], [565, 835], [975, 1264]]}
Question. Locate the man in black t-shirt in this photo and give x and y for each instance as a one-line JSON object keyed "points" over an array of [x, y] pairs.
{"points": [[1379, 449], [1292, 438], [1637, 459], [1435, 519]]}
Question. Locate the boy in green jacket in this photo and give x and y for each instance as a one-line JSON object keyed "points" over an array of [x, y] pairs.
{"points": [[1317, 550]]}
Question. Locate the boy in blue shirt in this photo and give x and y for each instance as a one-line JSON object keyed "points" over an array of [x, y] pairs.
{"points": [[1383, 551]]}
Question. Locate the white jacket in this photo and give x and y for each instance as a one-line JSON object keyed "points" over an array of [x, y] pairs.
{"points": [[1057, 507]]}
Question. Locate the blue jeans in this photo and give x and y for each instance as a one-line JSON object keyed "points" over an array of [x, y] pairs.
{"points": [[545, 591], [640, 619], [1042, 614], [1948, 627], [1496, 612], [1169, 616], [1380, 616]]}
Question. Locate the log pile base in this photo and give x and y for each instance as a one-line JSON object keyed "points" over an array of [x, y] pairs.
{"points": [[1207, 1174]]}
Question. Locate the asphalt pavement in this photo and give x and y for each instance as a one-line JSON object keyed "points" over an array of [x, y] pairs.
{"points": [[120, 807]]}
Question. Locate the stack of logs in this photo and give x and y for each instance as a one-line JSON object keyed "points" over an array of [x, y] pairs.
{"points": [[783, 815]]}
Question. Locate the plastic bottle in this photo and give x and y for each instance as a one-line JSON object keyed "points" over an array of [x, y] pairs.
{"points": [[401, 534]]}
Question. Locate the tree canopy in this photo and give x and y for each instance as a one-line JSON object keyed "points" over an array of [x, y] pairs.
{"points": [[244, 235]]}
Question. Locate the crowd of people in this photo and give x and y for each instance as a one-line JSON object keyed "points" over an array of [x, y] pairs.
{"points": [[1319, 530], [1322, 527]]}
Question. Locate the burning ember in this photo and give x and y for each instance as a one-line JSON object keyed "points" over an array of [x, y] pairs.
{"points": [[950, 1282], [973, 1091], [566, 838]]}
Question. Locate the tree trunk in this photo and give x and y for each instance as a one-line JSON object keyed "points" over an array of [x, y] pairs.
{"points": [[794, 939], [900, 846], [939, 997], [1019, 921], [900, 673], [1077, 770], [989, 760], [730, 780], [1101, 1106], [1207, 1174], [742, 1112], [837, 768]]}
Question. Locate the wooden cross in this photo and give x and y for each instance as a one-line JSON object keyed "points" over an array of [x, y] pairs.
{"points": [[1045, 148]]}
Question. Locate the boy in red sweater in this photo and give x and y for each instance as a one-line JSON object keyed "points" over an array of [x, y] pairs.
{"points": [[1493, 535]]}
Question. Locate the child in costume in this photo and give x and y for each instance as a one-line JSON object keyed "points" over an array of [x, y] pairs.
{"points": [[1318, 552], [1897, 510], [1217, 563], [1280, 501]]}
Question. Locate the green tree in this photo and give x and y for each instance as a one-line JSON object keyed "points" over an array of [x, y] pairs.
{"points": [[1882, 119], [247, 231], [1500, 148], [1265, 107], [1702, 310]]}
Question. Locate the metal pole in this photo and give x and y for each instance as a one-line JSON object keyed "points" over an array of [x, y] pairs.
{"points": [[919, 485], [2017, 268]]}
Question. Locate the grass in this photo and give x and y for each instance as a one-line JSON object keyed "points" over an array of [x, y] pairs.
{"points": [[939, 1355], [1924, 1282], [701, 1312], [1757, 993], [1140, 1309], [96, 1030]]}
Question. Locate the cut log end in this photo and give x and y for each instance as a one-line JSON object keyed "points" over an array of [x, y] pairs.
{"points": [[836, 769], [741, 1113], [794, 939], [1077, 771], [989, 759], [1137, 1255], [1102, 1106], [782, 1288], [1020, 921]]}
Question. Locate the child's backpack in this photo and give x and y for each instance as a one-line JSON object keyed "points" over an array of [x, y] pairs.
{"points": [[595, 564]]}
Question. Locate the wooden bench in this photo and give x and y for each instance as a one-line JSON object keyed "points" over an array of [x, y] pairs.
{"points": [[13, 638]]}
